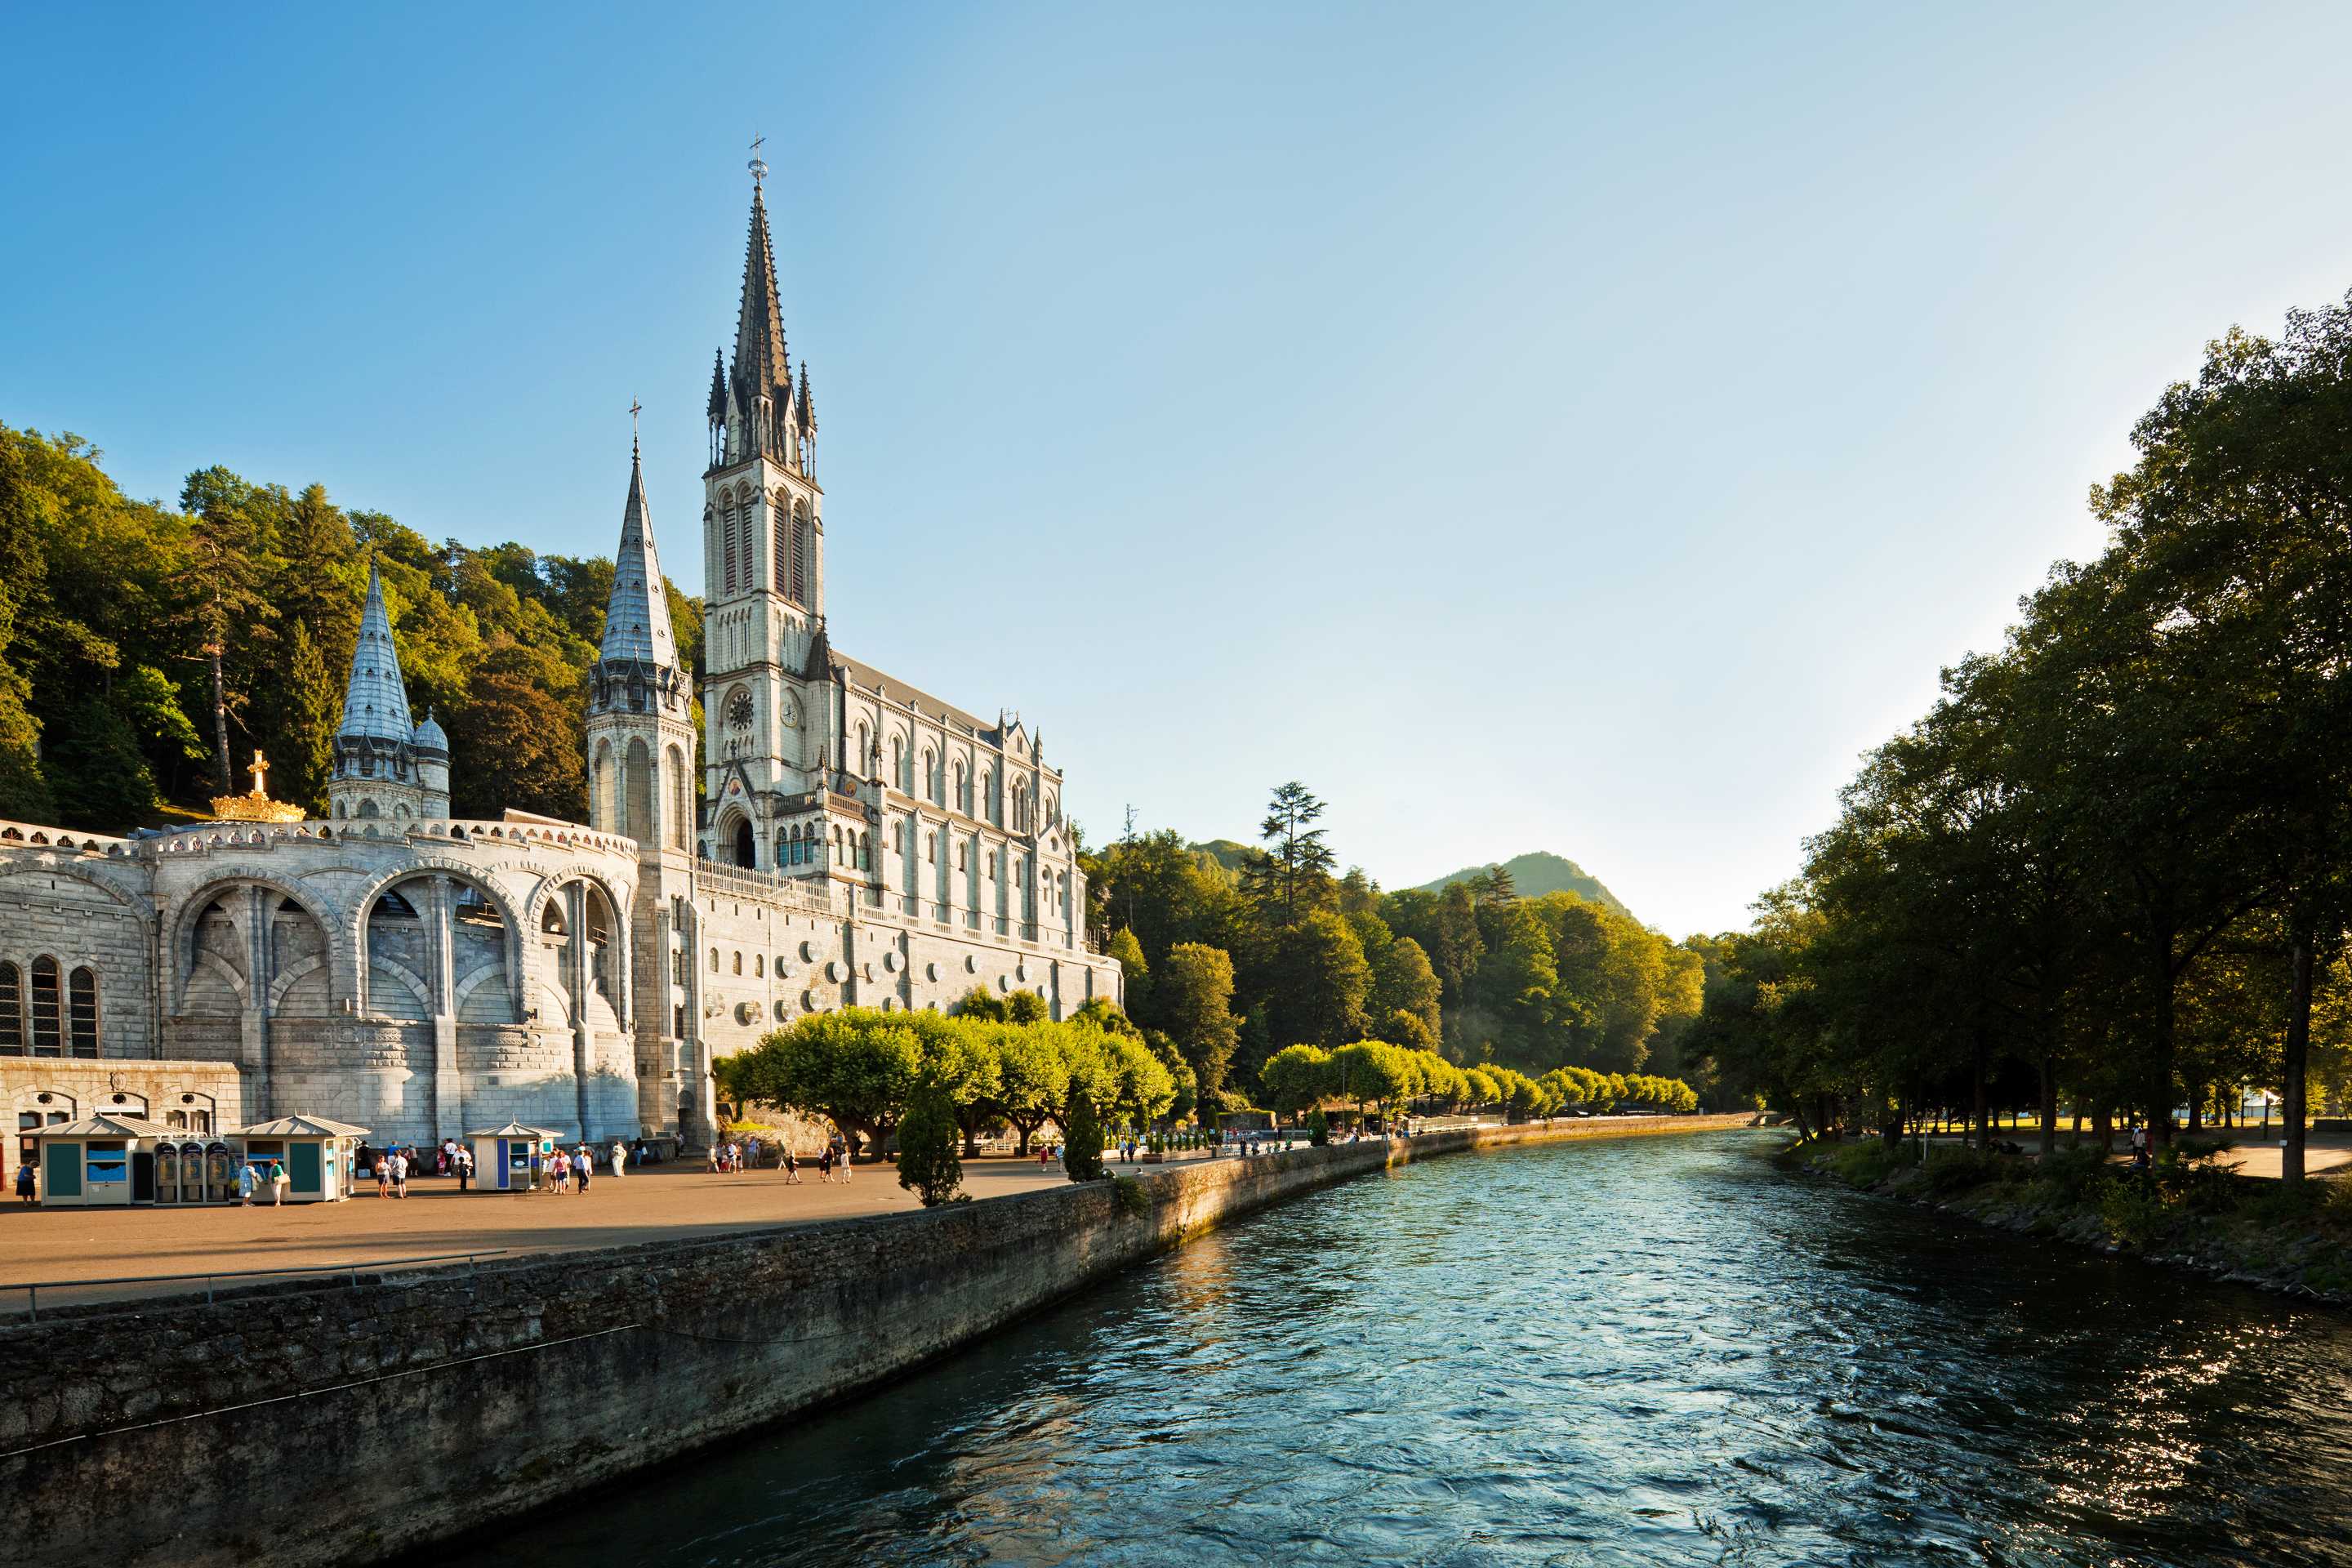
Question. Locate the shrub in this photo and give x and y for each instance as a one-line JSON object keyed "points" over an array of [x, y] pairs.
{"points": [[2134, 1213], [1949, 1171], [1133, 1201], [1318, 1128]]}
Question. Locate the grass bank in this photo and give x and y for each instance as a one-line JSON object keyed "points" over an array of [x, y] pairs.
{"points": [[2187, 1212]]}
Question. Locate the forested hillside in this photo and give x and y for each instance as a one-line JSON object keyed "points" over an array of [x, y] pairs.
{"points": [[1237, 952], [147, 649], [1537, 874]]}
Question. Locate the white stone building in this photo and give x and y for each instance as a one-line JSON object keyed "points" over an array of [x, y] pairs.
{"points": [[859, 842]]}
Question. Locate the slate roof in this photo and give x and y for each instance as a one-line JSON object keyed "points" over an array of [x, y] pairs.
{"points": [[375, 702], [636, 619], [300, 1127]]}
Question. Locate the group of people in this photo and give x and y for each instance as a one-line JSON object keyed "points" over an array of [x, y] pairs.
{"points": [[570, 1170]]}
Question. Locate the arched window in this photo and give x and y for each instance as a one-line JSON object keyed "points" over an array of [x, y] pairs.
{"points": [[747, 848], [759, 965], [865, 751], [81, 1011], [865, 852], [739, 962], [899, 764], [48, 1033], [681, 800], [714, 960], [930, 849], [960, 857], [928, 766], [11, 1010], [800, 555], [778, 555], [726, 547], [962, 788]]}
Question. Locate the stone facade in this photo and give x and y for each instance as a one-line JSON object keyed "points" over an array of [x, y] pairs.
{"points": [[419, 975]]}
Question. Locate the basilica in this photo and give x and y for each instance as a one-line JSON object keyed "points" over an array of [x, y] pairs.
{"points": [[853, 841]]}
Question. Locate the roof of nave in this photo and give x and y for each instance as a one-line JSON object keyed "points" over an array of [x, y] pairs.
{"points": [[375, 702], [636, 619], [992, 730]]}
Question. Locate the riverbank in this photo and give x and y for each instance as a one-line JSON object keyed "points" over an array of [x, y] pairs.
{"points": [[2195, 1214], [312, 1424]]}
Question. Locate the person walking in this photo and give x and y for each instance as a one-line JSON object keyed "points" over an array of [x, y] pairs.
{"points": [[399, 1173], [825, 1165], [848, 1157], [462, 1161], [711, 1159], [584, 1165], [792, 1167], [560, 1169], [619, 1158], [246, 1181], [276, 1184], [24, 1183]]}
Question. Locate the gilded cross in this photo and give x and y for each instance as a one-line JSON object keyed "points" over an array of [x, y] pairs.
{"points": [[260, 767]]}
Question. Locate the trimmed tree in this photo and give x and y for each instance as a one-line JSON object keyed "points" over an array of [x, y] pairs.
{"points": [[1082, 1154], [928, 1166]]}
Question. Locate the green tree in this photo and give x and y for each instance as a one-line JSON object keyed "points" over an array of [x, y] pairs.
{"points": [[95, 758], [1082, 1143], [1404, 981], [1292, 875], [1196, 991], [1319, 982], [927, 1163], [521, 748]]}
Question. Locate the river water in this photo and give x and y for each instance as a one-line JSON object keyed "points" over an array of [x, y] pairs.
{"points": [[1656, 1350]]}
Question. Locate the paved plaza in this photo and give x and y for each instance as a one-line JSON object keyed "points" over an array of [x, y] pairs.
{"points": [[661, 1203]]}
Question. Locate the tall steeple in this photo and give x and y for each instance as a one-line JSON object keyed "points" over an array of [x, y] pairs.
{"points": [[375, 700], [636, 617], [760, 396]]}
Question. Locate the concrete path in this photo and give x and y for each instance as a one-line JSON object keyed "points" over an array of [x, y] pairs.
{"points": [[656, 1204]]}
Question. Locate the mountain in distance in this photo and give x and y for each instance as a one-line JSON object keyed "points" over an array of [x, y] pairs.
{"points": [[1534, 875]]}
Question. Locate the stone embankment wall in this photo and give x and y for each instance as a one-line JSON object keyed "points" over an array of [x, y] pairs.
{"points": [[298, 1424]]}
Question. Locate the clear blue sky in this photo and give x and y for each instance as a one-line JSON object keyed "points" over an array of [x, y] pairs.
{"points": [[1534, 427]]}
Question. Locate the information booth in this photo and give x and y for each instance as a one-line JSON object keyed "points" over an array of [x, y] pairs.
{"points": [[101, 1160], [194, 1170], [503, 1156], [316, 1152]]}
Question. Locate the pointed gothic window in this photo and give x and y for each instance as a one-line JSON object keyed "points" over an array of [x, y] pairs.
{"points": [[12, 1011], [727, 549], [799, 556], [780, 552]]}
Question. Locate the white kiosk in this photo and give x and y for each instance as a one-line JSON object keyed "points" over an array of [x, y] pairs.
{"points": [[316, 1152], [99, 1160], [503, 1156]]}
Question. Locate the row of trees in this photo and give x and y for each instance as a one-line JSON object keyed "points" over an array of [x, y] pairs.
{"points": [[1233, 953], [146, 648], [1373, 1074], [863, 1068], [2111, 869]]}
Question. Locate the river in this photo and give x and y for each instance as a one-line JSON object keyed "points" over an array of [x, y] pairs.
{"points": [[1656, 1350]]}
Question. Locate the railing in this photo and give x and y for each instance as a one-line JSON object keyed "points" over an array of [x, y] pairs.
{"points": [[33, 1287], [36, 836], [742, 881]]}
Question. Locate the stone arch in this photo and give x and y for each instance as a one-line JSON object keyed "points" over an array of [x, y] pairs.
{"points": [[379, 942], [197, 904], [299, 972]]}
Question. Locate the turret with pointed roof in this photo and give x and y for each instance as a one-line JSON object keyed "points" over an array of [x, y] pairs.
{"points": [[385, 765], [640, 700]]}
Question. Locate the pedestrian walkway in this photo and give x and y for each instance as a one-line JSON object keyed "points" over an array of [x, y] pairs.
{"points": [[661, 1203]]}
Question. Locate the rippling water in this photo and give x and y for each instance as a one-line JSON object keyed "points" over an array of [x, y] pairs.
{"points": [[1652, 1352]]}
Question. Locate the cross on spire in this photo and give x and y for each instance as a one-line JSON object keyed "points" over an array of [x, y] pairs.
{"points": [[634, 409], [759, 165]]}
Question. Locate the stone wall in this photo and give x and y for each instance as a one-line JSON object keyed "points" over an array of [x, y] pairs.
{"points": [[157, 1090], [302, 1425]]}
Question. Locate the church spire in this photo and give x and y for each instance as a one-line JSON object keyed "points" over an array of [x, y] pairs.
{"points": [[375, 702], [763, 374], [636, 618]]}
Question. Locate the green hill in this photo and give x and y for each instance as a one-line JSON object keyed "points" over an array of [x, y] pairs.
{"points": [[1537, 874]]}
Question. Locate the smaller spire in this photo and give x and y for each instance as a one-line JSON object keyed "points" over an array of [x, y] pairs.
{"points": [[375, 700], [636, 617], [807, 411], [719, 387]]}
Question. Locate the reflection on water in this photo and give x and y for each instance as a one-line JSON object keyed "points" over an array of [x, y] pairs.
{"points": [[1651, 1351]]}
